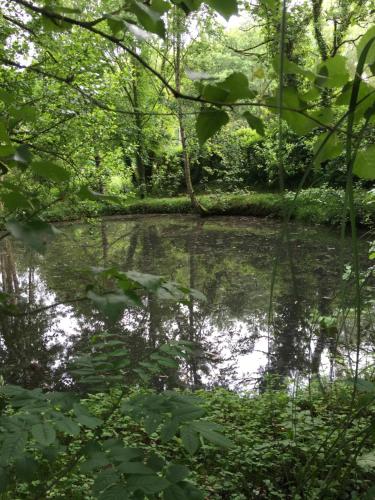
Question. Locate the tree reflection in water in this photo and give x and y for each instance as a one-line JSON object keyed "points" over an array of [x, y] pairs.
{"points": [[229, 259]]}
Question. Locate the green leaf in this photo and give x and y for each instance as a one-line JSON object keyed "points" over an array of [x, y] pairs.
{"points": [[67, 425], [168, 363], [13, 445], [15, 200], [254, 122], [111, 304], [186, 413], [313, 94], [7, 97], [150, 19], [226, 8], [160, 6], [333, 72], [7, 150], [115, 492], [142, 374], [97, 461], [325, 116], [147, 281], [237, 86], [364, 165], [366, 38], [105, 479], [115, 24], [23, 113], [155, 462], [134, 468], [327, 147], [43, 433], [291, 68], [298, 122], [175, 492], [26, 468], [209, 122], [23, 155], [196, 294], [177, 473], [50, 170], [150, 485], [152, 422], [233, 88], [214, 93], [119, 453], [190, 439], [85, 418], [291, 99], [35, 234], [366, 99], [169, 430], [217, 438]]}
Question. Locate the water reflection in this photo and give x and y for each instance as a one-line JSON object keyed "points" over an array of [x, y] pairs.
{"points": [[229, 259]]}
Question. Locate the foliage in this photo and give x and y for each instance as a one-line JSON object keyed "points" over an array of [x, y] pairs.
{"points": [[100, 74], [283, 445], [47, 438], [135, 145]]}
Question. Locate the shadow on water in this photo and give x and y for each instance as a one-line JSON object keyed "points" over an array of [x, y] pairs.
{"points": [[229, 259]]}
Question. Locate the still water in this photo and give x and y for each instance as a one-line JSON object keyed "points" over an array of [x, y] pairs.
{"points": [[231, 260]]}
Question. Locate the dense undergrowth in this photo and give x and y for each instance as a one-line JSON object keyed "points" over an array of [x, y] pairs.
{"points": [[315, 205], [310, 444]]}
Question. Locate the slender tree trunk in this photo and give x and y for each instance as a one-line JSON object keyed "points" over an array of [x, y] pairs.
{"points": [[185, 153], [322, 45], [141, 170], [98, 163]]}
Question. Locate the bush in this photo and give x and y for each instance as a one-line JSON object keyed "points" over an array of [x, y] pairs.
{"points": [[284, 445]]}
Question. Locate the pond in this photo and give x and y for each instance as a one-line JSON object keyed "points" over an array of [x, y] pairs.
{"points": [[230, 259]]}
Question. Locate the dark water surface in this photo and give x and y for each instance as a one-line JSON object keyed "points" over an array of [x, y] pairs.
{"points": [[229, 259]]}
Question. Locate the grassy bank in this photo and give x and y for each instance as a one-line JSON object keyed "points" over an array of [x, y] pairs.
{"points": [[315, 206]]}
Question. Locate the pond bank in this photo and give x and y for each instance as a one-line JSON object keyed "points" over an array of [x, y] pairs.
{"points": [[314, 206]]}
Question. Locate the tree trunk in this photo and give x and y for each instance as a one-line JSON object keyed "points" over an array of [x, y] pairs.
{"points": [[185, 153], [141, 171], [98, 162]]}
